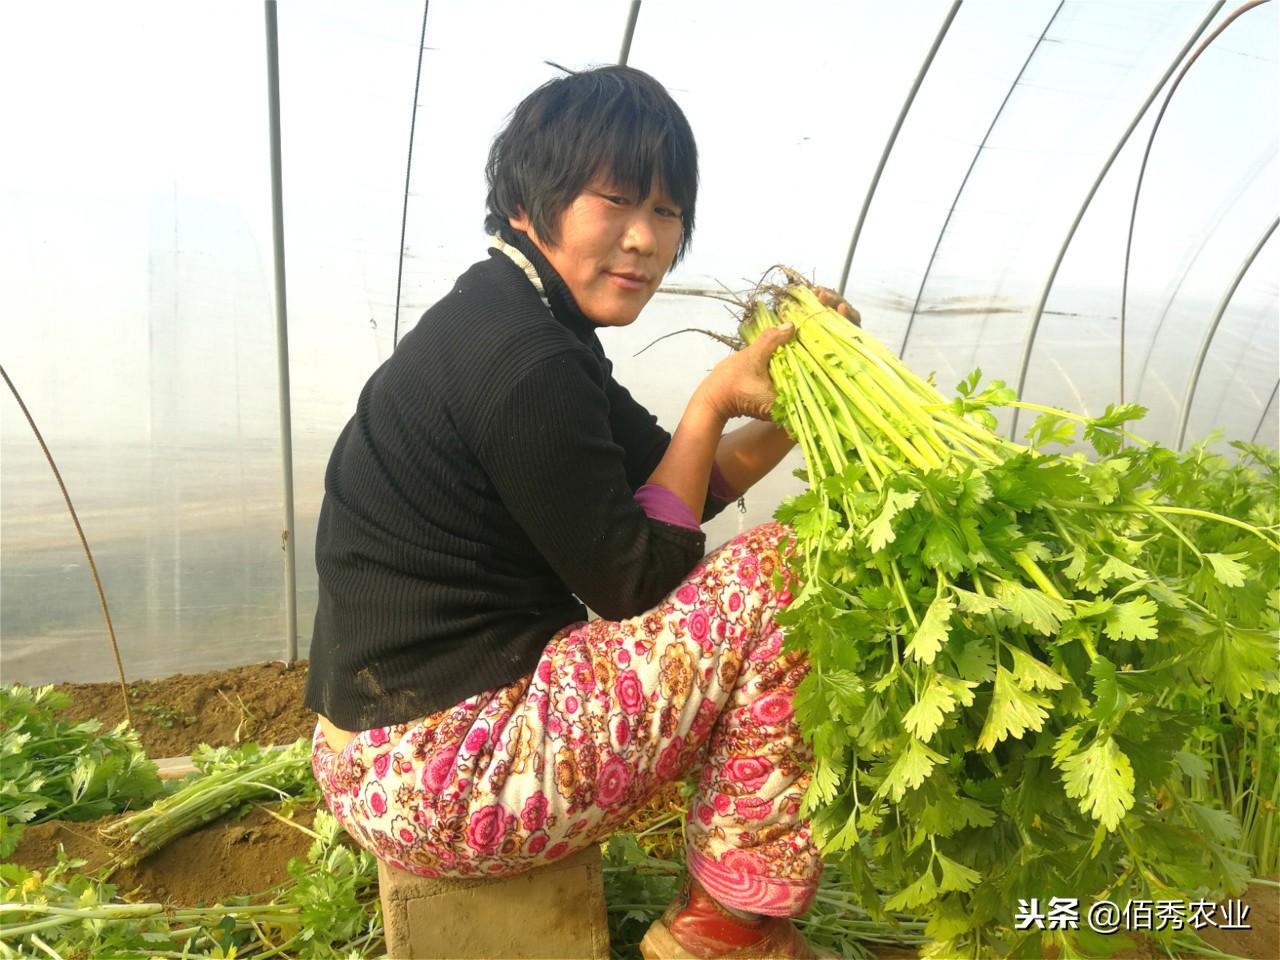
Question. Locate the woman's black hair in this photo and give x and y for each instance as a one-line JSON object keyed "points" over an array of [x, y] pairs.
{"points": [[614, 120]]}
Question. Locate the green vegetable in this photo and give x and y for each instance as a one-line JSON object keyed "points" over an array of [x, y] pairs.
{"points": [[56, 769], [1011, 648], [228, 778], [329, 909]]}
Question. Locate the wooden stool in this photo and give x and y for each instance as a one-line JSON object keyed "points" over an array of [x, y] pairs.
{"points": [[556, 911]]}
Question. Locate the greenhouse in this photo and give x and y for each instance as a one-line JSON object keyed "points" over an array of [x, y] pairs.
{"points": [[887, 567]]}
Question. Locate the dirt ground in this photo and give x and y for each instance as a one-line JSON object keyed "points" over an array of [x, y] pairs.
{"points": [[262, 702], [222, 859], [1262, 941]]}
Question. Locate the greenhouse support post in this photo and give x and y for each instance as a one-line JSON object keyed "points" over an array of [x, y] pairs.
{"points": [[1262, 420], [1224, 208], [282, 338], [1142, 172], [893, 137], [632, 15], [408, 170], [1213, 329], [924, 279], [1030, 342]]}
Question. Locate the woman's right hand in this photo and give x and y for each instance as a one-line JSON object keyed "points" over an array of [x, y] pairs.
{"points": [[739, 385]]}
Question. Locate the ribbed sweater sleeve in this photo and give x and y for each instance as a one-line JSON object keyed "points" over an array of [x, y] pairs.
{"points": [[550, 452]]}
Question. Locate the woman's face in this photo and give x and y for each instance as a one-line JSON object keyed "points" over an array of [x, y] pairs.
{"points": [[614, 249]]}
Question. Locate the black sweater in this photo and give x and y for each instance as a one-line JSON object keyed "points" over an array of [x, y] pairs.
{"points": [[482, 493]]}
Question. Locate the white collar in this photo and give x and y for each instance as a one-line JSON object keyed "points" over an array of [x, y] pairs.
{"points": [[524, 263]]}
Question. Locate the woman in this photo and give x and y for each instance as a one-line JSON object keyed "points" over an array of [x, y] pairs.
{"points": [[494, 479]]}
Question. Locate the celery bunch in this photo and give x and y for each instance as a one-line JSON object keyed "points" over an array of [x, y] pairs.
{"points": [[1011, 649]]}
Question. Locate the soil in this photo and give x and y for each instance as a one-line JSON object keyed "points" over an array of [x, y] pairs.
{"points": [[222, 859], [1262, 941], [262, 702]]}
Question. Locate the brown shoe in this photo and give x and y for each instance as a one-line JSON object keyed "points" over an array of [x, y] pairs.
{"points": [[695, 927]]}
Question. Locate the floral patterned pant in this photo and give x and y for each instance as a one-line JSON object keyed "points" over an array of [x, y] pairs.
{"points": [[524, 774]]}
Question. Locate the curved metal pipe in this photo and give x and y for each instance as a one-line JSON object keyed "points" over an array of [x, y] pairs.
{"points": [[972, 163], [1225, 208], [282, 336], [408, 167], [1264, 318], [893, 136], [1106, 167], [632, 16], [1213, 329], [1142, 170], [1263, 419]]}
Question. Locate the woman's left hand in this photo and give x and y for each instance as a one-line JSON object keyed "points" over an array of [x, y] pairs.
{"points": [[829, 298]]}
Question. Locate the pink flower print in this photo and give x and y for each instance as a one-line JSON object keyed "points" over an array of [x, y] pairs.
{"points": [[543, 707], [752, 808], [583, 678], [772, 709], [622, 732], [534, 813], [486, 829], [544, 671], [747, 571], [612, 785], [630, 692], [559, 850], [623, 658], [723, 804], [378, 736], [476, 739], [767, 649], [784, 597], [669, 759], [536, 842], [380, 764], [735, 602], [554, 726], [439, 770], [722, 629], [687, 593], [705, 814], [377, 802], [406, 836], [704, 720], [570, 704], [751, 772], [699, 624]]}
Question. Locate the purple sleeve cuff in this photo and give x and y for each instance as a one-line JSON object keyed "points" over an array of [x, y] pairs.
{"points": [[719, 487], [661, 504]]}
